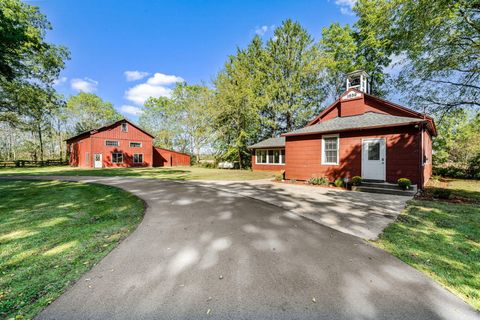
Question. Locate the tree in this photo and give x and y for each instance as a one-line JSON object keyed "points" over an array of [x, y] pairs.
{"points": [[237, 117], [87, 111], [27, 61], [294, 81], [438, 42], [183, 121], [339, 56]]}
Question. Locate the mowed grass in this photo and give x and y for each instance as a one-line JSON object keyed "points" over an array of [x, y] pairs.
{"points": [[442, 239], [170, 173], [52, 232]]}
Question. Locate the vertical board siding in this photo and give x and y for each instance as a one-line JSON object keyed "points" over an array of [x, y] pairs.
{"points": [[169, 158]]}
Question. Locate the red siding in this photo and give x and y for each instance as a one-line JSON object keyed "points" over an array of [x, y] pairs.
{"points": [[84, 148], [266, 167], [168, 158], [303, 155]]}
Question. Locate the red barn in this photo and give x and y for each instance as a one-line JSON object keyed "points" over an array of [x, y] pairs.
{"points": [[357, 135], [120, 144]]}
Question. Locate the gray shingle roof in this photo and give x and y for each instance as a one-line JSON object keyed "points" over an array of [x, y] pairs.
{"points": [[366, 120], [269, 143]]}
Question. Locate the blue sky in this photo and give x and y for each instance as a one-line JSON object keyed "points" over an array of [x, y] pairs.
{"points": [[126, 50]]}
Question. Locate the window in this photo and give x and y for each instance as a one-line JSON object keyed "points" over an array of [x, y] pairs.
{"points": [[273, 156], [137, 158], [112, 143], [124, 127], [330, 147], [117, 157], [374, 151], [135, 144]]}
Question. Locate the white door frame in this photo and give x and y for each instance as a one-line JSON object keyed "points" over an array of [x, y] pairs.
{"points": [[95, 161], [383, 153]]}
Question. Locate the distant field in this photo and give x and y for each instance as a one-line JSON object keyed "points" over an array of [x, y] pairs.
{"points": [[170, 173]]}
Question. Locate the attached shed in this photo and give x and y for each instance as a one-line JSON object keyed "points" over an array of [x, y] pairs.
{"points": [[169, 158]]}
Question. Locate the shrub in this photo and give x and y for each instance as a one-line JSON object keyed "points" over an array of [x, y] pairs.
{"points": [[339, 183], [404, 183], [357, 180], [441, 193], [318, 181], [280, 176]]}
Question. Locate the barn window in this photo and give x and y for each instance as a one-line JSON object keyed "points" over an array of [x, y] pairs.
{"points": [[117, 157], [330, 147], [135, 144], [124, 127], [137, 158], [112, 143]]}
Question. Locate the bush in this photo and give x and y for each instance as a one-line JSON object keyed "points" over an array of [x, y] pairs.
{"points": [[451, 172], [280, 176], [318, 181], [339, 183], [473, 170], [357, 180], [441, 193], [404, 183]]}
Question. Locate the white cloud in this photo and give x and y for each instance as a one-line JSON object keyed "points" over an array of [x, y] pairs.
{"points": [[396, 64], [264, 29], [60, 81], [84, 85], [346, 6], [160, 79], [136, 111], [156, 86], [261, 30], [346, 3], [135, 75]]}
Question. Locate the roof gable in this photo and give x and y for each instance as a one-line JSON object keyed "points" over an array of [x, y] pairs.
{"points": [[106, 127]]}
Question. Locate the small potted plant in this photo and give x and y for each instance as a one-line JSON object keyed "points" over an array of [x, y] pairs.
{"points": [[357, 180], [404, 183]]}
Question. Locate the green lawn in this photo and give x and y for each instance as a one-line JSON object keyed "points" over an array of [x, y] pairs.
{"points": [[171, 173], [52, 232], [442, 239]]}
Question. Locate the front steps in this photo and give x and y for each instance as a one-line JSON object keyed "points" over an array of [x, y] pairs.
{"points": [[385, 187]]}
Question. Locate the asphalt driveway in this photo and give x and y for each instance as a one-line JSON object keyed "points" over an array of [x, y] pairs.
{"points": [[202, 253]]}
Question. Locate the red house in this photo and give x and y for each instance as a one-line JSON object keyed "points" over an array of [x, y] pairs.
{"points": [[120, 144], [357, 135]]}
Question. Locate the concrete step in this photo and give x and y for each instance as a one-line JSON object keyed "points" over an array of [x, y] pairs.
{"points": [[398, 192], [386, 185]]}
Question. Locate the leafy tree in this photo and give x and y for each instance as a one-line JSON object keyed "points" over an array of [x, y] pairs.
{"points": [[294, 81], [439, 43], [27, 61], [339, 56], [237, 103], [87, 111], [182, 121]]}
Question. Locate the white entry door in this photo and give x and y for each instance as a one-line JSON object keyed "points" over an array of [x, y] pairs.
{"points": [[97, 160], [373, 159]]}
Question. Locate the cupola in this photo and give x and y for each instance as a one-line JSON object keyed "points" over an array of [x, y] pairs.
{"points": [[359, 80]]}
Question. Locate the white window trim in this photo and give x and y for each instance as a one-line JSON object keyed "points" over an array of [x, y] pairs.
{"points": [[134, 158], [324, 162], [268, 163], [118, 145], [130, 144], [117, 153]]}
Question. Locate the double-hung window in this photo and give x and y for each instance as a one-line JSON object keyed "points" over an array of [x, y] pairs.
{"points": [[117, 157], [137, 158], [330, 148]]}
